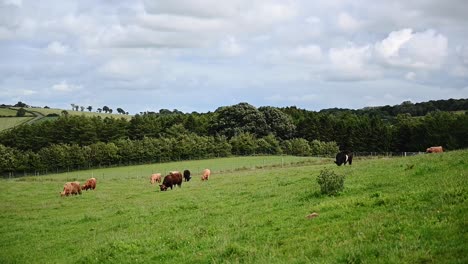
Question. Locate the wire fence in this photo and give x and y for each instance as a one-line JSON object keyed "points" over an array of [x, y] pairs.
{"points": [[236, 167]]}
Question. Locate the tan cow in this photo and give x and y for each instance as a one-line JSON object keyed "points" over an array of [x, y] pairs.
{"points": [[90, 184], [437, 149], [156, 177], [206, 174], [71, 188]]}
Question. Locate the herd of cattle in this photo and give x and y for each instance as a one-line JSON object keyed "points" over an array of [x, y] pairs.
{"points": [[175, 177], [172, 179]]}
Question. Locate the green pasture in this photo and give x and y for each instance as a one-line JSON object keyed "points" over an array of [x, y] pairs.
{"points": [[9, 122], [252, 210], [47, 111]]}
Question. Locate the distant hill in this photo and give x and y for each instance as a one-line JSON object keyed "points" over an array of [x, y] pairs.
{"points": [[407, 107], [9, 118]]}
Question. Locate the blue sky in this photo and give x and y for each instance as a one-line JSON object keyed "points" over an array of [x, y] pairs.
{"points": [[197, 55]]}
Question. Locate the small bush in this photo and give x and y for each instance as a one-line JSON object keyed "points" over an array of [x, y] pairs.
{"points": [[330, 182]]}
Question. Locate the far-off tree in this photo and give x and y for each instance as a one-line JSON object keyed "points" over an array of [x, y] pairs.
{"points": [[82, 108], [90, 108], [105, 109], [21, 112]]}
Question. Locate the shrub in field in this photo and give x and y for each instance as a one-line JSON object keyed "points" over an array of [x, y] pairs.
{"points": [[330, 182]]}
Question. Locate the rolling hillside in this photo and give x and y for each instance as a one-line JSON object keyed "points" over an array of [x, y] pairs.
{"points": [[8, 117]]}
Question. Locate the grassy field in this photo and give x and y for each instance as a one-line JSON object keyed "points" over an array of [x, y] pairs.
{"points": [[46, 111], [9, 122], [398, 210]]}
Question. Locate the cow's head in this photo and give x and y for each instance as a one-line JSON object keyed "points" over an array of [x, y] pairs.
{"points": [[162, 187]]}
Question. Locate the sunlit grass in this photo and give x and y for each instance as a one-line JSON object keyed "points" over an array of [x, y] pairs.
{"points": [[252, 210]]}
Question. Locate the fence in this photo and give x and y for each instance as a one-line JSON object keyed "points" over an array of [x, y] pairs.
{"points": [[250, 165]]}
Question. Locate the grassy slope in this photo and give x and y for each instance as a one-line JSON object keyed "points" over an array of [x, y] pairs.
{"points": [[389, 212], [45, 112], [9, 122], [8, 118]]}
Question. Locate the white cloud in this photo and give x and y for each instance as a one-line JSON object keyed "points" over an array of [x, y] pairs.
{"points": [[348, 23], [57, 48], [420, 50], [64, 87], [310, 52], [390, 46], [128, 69], [351, 63]]}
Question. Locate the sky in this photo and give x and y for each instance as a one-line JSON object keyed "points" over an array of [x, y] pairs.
{"points": [[198, 55]]}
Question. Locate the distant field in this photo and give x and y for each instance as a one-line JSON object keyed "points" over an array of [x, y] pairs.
{"points": [[45, 112], [252, 210], [9, 122], [4, 112]]}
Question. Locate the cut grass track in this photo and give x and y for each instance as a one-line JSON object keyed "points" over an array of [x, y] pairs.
{"points": [[9, 122], [389, 212]]}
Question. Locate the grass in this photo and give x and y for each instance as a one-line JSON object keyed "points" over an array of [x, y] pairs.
{"points": [[8, 119], [9, 122], [398, 210], [47, 111]]}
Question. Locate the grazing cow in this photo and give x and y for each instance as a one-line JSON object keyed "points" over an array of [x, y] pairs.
{"points": [[71, 188], [344, 157], [206, 174], [90, 184], [174, 178], [187, 176], [434, 149], [156, 177]]}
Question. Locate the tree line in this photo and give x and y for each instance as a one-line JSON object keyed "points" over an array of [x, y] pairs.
{"points": [[240, 129], [62, 157]]}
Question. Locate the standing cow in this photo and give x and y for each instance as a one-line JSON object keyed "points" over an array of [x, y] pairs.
{"points": [[156, 177], [437, 149], [206, 174], [90, 184], [344, 157], [187, 176], [174, 178], [72, 188]]}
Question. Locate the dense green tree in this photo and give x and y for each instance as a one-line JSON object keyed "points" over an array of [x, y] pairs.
{"points": [[280, 124], [21, 112], [243, 143], [240, 118]]}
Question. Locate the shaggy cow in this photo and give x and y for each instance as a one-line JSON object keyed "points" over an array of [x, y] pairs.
{"points": [[187, 176], [434, 150], [174, 178], [90, 184], [205, 175], [156, 177], [344, 157], [71, 188]]}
